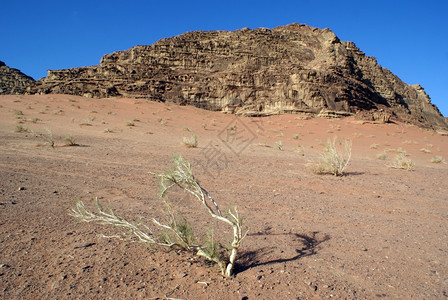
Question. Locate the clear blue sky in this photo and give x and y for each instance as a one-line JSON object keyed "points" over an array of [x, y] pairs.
{"points": [[410, 38]]}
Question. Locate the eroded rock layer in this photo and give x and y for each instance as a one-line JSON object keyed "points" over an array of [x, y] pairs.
{"points": [[293, 68], [12, 81]]}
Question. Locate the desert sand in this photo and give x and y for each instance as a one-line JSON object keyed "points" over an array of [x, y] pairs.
{"points": [[377, 232]]}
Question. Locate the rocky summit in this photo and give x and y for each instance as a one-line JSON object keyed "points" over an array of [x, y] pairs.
{"points": [[12, 81], [288, 69]]}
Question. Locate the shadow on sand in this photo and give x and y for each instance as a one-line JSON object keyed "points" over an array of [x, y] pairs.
{"points": [[307, 245]]}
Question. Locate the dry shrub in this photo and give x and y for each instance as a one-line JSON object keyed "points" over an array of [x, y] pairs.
{"points": [[279, 145], [176, 232], [437, 160], [401, 161], [190, 142], [335, 158], [70, 141], [20, 128], [381, 156]]}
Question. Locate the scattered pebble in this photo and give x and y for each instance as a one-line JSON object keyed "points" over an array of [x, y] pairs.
{"points": [[85, 268], [86, 245]]}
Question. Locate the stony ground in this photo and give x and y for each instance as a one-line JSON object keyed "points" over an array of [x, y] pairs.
{"points": [[377, 232]]}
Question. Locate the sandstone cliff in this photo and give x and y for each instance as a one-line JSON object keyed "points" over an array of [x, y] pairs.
{"points": [[12, 81], [293, 68]]}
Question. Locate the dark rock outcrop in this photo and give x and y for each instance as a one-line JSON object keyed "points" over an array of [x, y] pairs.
{"points": [[293, 68], [12, 81]]}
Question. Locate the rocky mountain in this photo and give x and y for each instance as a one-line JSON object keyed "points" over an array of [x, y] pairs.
{"points": [[288, 69], [12, 81]]}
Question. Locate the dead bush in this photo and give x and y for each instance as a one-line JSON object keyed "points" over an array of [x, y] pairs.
{"points": [[176, 232], [335, 158]]}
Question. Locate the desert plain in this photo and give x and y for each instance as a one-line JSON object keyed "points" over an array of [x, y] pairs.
{"points": [[377, 232]]}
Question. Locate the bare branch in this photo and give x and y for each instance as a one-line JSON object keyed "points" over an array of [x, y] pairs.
{"points": [[176, 232]]}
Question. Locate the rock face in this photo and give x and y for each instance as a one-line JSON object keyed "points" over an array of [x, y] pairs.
{"points": [[293, 68], [12, 81]]}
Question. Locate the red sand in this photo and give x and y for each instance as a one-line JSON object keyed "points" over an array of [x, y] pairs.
{"points": [[377, 232]]}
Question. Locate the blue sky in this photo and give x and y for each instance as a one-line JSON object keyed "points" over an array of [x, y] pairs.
{"points": [[410, 38]]}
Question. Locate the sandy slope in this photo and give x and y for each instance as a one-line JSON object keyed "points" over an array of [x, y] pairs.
{"points": [[377, 232]]}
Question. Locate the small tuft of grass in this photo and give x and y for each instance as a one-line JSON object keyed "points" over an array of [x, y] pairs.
{"points": [[398, 150], [232, 128], [20, 128], [424, 150], [34, 120], [437, 160], [18, 112], [70, 141], [401, 161], [381, 156], [130, 123], [48, 138], [279, 145], [190, 142]]}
